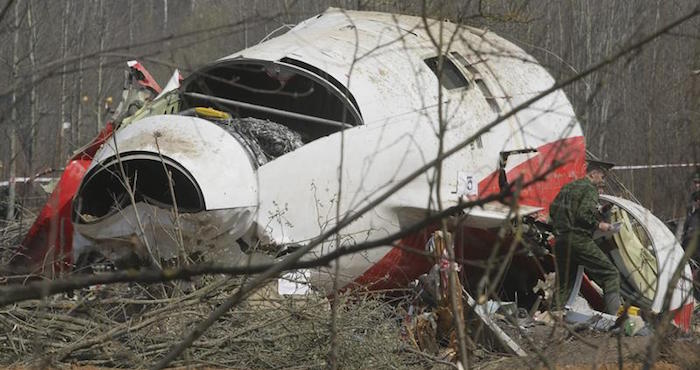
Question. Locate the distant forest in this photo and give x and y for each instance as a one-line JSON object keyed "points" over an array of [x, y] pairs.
{"points": [[62, 68]]}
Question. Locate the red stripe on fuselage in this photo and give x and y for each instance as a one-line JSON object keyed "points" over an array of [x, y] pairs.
{"points": [[570, 154], [400, 265]]}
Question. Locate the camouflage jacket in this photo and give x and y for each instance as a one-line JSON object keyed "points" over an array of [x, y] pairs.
{"points": [[575, 208]]}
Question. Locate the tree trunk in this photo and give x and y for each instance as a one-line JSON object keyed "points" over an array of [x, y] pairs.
{"points": [[165, 17], [64, 47], [82, 25], [33, 98], [244, 15], [13, 131], [129, 26], [100, 60]]}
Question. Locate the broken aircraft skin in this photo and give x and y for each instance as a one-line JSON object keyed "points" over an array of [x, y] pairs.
{"points": [[247, 150]]}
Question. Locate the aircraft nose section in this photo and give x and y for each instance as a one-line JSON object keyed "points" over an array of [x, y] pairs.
{"points": [[166, 185]]}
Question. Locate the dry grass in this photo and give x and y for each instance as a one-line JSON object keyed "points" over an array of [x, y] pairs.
{"points": [[11, 233], [132, 326]]}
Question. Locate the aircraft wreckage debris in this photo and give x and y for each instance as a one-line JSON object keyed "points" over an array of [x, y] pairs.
{"points": [[240, 163]]}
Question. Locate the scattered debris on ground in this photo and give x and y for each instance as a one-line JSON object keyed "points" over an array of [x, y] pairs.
{"points": [[133, 325]]}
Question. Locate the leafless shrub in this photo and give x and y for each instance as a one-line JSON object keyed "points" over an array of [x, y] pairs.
{"points": [[130, 325]]}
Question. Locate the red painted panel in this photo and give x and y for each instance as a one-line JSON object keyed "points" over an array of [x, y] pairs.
{"points": [[569, 153], [591, 294], [400, 266], [147, 81], [47, 247], [684, 315]]}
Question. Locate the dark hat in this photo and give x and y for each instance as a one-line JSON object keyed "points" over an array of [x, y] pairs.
{"points": [[598, 165], [696, 176]]}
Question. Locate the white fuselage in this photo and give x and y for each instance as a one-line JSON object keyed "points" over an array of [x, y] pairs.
{"points": [[387, 65], [380, 59]]}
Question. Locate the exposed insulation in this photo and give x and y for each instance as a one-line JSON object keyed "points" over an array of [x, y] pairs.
{"points": [[266, 140]]}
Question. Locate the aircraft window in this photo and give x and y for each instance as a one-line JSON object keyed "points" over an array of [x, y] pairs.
{"points": [[452, 78], [479, 81], [289, 94], [325, 76]]}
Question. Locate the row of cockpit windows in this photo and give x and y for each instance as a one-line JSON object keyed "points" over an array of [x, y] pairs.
{"points": [[290, 85]]}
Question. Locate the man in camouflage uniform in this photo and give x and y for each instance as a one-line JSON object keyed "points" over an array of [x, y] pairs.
{"points": [[575, 217]]}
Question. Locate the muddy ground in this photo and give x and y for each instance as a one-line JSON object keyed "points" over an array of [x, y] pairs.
{"points": [[563, 348]]}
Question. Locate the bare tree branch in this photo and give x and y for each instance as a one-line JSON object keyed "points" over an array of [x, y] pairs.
{"points": [[5, 9], [246, 289]]}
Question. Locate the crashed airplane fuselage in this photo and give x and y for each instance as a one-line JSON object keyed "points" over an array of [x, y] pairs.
{"points": [[268, 147]]}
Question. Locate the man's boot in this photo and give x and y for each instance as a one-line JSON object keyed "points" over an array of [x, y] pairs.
{"points": [[612, 303]]}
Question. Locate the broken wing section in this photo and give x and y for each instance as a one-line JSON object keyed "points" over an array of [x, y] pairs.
{"points": [[491, 215]]}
